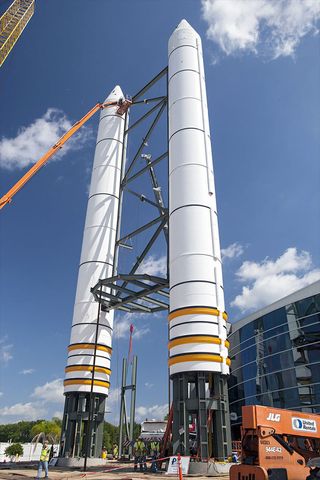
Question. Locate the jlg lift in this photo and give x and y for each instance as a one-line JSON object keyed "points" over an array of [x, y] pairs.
{"points": [[123, 105], [277, 444]]}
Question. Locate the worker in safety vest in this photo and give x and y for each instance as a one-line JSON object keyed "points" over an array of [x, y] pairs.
{"points": [[154, 451], [139, 452], [115, 451], [104, 453], [44, 459]]}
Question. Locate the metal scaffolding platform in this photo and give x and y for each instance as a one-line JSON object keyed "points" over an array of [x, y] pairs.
{"points": [[146, 293]]}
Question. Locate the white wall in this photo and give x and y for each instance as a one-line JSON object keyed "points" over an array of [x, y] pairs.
{"points": [[31, 451]]}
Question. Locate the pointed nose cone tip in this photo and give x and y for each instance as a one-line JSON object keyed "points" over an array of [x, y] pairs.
{"points": [[184, 24], [115, 94], [182, 30]]}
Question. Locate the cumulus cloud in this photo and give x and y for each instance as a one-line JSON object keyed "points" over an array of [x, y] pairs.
{"points": [[153, 265], [22, 411], [122, 327], [270, 27], [270, 280], [32, 141], [232, 251], [5, 350], [156, 412], [50, 392], [44, 395], [27, 371]]}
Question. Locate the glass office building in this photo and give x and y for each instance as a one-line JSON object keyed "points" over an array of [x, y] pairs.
{"points": [[275, 356]]}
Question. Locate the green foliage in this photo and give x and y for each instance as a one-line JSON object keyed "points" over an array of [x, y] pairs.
{"points": [[46, 429], [23, 432], [16, 432], [15, 449], [111, 435]]}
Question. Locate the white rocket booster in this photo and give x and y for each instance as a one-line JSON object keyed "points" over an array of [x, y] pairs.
{"points": [[197, 318], [97, 258]]}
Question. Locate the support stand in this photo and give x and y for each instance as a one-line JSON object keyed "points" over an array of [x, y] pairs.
{"points": [[200, 398], [126, 428]]}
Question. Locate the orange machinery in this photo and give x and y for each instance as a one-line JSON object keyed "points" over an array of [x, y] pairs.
{"points": [[123, 106], [276, 444]]}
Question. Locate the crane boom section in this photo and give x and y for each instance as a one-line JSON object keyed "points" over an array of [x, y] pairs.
{"points": [[43, 160], [12, 24]]}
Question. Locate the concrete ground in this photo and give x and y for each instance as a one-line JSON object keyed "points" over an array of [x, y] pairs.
{"points": [[56, 473]]}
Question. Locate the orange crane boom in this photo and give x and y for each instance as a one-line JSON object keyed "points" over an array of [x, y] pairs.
{"points": [[43, 160]]}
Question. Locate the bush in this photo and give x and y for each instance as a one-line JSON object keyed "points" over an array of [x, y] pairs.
{"points": [[14, 450]]}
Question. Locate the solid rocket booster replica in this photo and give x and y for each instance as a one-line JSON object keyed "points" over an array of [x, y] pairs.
{"points": [[198, 346], [97, 261]]}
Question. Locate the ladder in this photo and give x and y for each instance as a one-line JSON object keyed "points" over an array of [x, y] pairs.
{"points": [[12, 24]]}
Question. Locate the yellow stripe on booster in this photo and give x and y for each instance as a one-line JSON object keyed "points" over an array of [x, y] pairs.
{"points": [[91, 346], [194, 311], [196, 339], [77, 381], [87, 368]]}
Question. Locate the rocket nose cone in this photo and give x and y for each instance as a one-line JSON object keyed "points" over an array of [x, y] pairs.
{"points": [[183, 34], [184, 24], [115, 94]]}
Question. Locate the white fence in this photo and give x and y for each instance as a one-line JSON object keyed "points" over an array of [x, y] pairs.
{"points": [[31, 452]]}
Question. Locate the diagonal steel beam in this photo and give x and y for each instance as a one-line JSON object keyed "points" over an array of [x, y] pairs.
{"points": [[140, 229], [146, 115], [142, 145], [145, 251], [143, 198], [150, 84], [149, 166]]}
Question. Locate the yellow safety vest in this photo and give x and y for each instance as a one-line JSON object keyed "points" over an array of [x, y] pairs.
{"points": [[45, 453], [155, 446], [139, 447]]}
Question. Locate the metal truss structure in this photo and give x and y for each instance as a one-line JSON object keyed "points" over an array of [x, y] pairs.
{"points": [[132, 291]]}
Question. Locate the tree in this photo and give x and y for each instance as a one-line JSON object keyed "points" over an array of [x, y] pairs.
{"points": [[16, 432], [46, 430], [14, 450]]}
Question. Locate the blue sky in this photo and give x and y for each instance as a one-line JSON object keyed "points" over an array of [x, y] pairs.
{"points": [[263, 74]]}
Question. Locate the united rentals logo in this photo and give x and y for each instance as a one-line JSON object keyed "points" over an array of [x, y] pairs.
{"points": [[304, 424], [274, 417]]}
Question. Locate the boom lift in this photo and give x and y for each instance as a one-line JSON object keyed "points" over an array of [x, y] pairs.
{"points": [[123, 106], [277, 444]]}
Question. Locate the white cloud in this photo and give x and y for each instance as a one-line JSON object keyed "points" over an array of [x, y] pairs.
{"points": [[149, 385], [22, 411], [33, 141], [50, 392], [271, 27], [1, 393], [113, 405], [271, 280], [122, 327], [153, 265], [44, 395], [232, 251], [5, 350], [154, 412], [58, 414], [27, 371]]}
